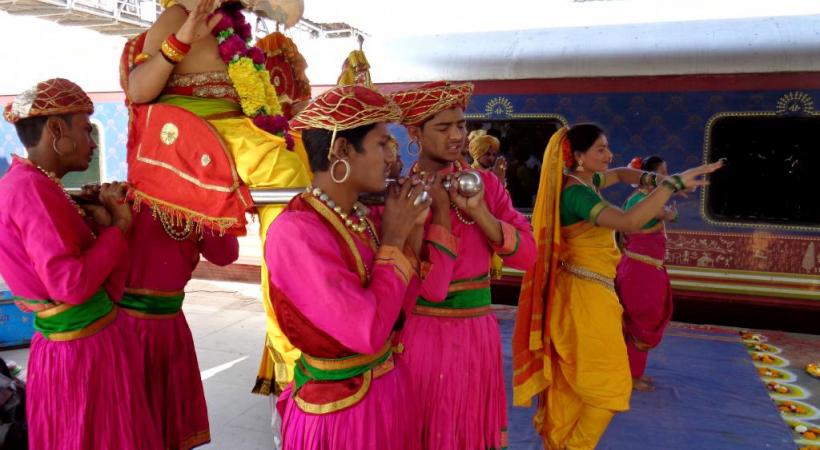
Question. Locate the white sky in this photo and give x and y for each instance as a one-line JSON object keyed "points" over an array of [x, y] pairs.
{"points": [[36, 49], [388, 18]]}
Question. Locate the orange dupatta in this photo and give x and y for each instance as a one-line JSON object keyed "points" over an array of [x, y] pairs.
{"points": [[532, 370]]}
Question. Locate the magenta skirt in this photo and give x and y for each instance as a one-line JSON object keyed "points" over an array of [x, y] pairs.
{"points": [[385, 419], [646, 295], [88, 393], [457, 377], [172, 380]]}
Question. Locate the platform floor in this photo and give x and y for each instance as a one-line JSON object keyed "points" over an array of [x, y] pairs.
{"points": [[228, 325]]}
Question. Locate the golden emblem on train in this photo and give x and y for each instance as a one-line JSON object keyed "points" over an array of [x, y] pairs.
{"points": [[499, 106], [795, 103], [169, 133]]}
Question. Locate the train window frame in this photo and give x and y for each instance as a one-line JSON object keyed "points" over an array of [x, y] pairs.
{"points": [[708, 157], [517, 117], [97, 127]]}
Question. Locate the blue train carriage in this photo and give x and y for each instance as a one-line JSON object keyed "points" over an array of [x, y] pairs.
{"points": [[691, 92], [752, 237]]}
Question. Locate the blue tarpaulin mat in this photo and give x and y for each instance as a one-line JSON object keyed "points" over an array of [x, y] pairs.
{"points": [[708, 397]]}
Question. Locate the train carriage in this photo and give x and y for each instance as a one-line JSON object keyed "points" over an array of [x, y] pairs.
{"points": [[744, 89]]}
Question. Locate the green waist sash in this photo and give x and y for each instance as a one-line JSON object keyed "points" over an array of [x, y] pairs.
{"points": [[153, 304], [67, 318], [309, 368], [202, 107], [466, 299]]}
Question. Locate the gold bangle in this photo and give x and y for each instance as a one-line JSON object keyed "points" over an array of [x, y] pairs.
{"points": [[171, 53], [141, 58]]}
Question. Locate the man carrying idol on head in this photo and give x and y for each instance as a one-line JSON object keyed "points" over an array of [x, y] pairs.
{"points": [[206, 125]]}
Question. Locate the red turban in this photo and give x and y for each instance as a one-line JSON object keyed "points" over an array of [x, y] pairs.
{"points": [[424, 102], [48, 98], [346, 107]]}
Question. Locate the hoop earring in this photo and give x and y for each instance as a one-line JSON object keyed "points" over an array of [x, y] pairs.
{"points": [[57, 151], [347, 171], [410, 151]]}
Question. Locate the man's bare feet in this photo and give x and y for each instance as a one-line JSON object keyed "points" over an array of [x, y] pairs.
{"points": [[643, 384]]}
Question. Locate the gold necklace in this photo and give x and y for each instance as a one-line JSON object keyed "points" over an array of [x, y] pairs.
{"points": [[171, 229]]}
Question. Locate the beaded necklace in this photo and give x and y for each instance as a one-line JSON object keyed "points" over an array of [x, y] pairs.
{"points": [[458, 168], [173, 231], [59, 184], [358, 226], [51, 176]]}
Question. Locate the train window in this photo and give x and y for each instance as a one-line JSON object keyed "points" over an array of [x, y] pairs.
{"points": [[95, 168], [770, 176], [522, 143]]}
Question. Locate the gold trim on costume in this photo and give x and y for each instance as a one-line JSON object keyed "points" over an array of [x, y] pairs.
{"points": [[645, 259], [195, 440], [154, 292], [452, 312], [93, 328], [347, 363], [589, 275], [326, 408], [469, 285], [198, 79], [157, 209], [191, 179], [340, 228], [54, 310], [596, 211], [145, 315]]}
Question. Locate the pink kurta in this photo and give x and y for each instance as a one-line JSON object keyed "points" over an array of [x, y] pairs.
{"points": [[313, 284], [161, 264], [76, 397], [455, 362]]}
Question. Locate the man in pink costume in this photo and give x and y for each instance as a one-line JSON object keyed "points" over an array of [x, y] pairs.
{"points": [[452, 338], [339, 282], [84, 377], [163, 257]]}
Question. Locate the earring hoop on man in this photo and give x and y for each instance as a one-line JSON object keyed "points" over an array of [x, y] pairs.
{"points": [[409, 148], [347, 171], [54, 145]]}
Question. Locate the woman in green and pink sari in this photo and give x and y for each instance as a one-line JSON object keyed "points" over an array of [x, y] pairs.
{"points": [[642, 282]]}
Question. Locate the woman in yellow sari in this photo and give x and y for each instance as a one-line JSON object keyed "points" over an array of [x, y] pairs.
{"points": [[568, 345]]}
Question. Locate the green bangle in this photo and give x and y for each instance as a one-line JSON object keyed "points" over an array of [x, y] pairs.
{"points": [[669, 184], [678, 182]]}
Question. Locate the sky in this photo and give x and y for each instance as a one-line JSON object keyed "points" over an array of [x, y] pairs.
{"points": [[40, 49]]}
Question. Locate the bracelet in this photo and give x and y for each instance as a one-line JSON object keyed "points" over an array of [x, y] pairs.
{"points": [[669, 184], [141, 58], [678, 182], [167, 58], [173, 50], [648, 179]]}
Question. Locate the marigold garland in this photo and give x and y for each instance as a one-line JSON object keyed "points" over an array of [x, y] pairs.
{"points": [[246, 69]]}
